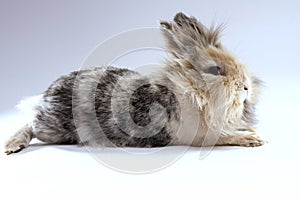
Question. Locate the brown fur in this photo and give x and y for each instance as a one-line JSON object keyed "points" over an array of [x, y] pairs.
{"points": [[224, 101]]}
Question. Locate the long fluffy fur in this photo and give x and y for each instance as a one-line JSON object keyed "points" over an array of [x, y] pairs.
{"points": [[202, 96]]}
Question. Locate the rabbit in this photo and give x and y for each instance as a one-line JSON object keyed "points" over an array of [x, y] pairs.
{"points": [[201, 96]]}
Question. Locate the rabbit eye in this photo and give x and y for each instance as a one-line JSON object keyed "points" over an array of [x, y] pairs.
{"points": [[215, 70]]}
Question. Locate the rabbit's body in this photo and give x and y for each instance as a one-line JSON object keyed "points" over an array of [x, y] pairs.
{"points": [[201, 97]]}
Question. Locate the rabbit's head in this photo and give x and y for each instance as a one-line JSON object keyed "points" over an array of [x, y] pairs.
{"points": [[213, 77]]}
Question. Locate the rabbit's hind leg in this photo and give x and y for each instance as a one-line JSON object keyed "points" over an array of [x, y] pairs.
{"points": [[20, 140]]}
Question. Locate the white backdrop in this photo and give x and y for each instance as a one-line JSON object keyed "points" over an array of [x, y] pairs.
{"points": [[41, 40]]}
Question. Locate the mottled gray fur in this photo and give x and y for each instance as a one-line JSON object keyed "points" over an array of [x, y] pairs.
{"points": [[88, 95]]}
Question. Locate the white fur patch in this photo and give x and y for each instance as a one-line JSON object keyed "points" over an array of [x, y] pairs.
{"points": [[28, 106]]}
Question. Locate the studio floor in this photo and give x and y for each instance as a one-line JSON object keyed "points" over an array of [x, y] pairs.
{"points": [[72, 172]]}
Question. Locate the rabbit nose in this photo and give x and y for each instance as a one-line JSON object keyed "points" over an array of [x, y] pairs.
{"points": [[241, 86]]}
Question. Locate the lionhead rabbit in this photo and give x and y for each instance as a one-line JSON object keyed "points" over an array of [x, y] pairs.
{"points": [[202, 96]]}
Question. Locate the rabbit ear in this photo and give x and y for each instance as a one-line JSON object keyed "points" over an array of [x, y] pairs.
{"points": [[191, 27], [186, 34]]}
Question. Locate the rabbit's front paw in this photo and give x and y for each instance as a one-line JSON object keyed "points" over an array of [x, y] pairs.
{"points": [[250, 141], [242, 138]]}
